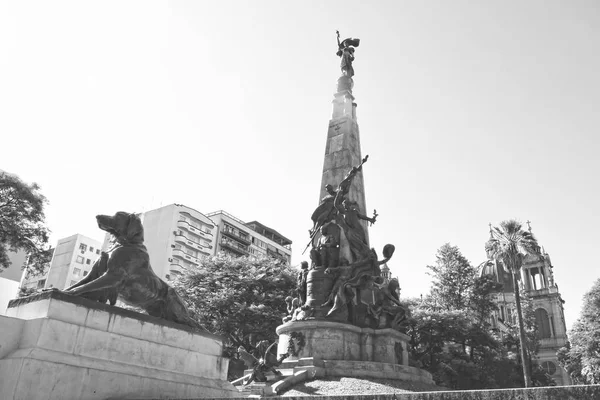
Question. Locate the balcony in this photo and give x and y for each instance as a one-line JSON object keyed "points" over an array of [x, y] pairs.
{"points": [[194, 245], [234, 246], [235, 234], [280, 256], [187, 227], [181, 254], [175, 269]]}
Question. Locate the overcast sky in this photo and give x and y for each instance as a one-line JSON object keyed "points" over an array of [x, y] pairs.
{"points": [[471, 112]]}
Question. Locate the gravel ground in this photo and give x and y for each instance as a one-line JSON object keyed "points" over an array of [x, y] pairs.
{"points": [[344, 386]]}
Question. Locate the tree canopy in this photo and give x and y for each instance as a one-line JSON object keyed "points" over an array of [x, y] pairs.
{"points": [[581, 357], [453, 278], [450, 330], [242, 298], [22, 221]]}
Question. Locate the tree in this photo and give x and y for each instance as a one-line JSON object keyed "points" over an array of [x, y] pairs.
{"points": [[509, 245], [481, 302], [453, 278], [242, 298], [22, 225], [456, 350], [581, 357], [451, 334]]}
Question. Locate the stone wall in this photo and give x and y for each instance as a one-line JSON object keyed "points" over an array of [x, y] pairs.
{"points": [[588, 392]]}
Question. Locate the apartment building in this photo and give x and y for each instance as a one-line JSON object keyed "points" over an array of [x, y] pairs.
{"points": [[72, 260], [176, 237], [238, 238], [36, 279]]}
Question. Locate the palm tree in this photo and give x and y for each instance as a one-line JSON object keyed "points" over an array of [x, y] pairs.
{"points": [[509, 245]]}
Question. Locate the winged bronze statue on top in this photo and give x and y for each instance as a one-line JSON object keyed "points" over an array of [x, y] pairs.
{"points": [[346, 52]]}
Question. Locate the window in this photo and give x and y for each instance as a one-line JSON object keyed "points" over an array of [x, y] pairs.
{"points": [[543, 324], [259, 243], [83, 247], [97, 251], [77, 271], [41, 283], [88, 261], [91, 249], [85, 273], [79, 259]]}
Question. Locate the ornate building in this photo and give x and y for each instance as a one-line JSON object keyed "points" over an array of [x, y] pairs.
{"points": [[537, 280]]}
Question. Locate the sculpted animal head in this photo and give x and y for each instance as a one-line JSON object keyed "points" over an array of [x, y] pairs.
{"points": [[125, 227]]}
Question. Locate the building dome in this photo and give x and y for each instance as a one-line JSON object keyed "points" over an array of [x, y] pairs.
{"points": [[496, 271]]}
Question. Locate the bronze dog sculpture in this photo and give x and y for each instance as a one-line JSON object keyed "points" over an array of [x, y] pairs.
{"points": [[125, 272]]}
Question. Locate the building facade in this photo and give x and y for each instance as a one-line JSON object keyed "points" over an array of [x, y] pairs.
{"points": [[238, 238], [537, 280], [36, 279], [177, 237], [73, 259]]}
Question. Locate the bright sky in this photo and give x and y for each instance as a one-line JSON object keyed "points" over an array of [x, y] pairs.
{"points": [[471, 112]]}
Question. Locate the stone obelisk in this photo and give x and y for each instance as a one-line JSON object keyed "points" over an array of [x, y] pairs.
{"points": [[342, 150]]}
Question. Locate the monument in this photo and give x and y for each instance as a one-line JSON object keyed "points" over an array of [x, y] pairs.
{"points": [[347, 318], [71, 345]]}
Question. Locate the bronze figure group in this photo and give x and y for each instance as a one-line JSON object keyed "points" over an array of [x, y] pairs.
{"points": [[337, 287]]}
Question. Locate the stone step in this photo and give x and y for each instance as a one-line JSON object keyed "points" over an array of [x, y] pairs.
{"points": [[286, 371]]}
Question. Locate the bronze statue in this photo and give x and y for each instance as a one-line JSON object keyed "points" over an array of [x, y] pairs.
{"points": [[355, 276], [266, 363], [346, 52], [349, 217], [301, 281], [387, 303], [125, 271], [293, 308], [326, 211], [329, 245]]}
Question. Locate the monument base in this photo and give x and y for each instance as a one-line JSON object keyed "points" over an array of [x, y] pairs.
{"points": [[320, 348], [327, 340], [57, 346]]}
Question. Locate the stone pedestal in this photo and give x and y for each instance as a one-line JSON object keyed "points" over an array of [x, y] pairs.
{"points": [[56, 346], [323, 348], [339, 341]]}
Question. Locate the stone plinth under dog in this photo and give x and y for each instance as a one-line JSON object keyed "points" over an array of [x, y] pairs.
{"points": [[56, 346], [322, 348]]}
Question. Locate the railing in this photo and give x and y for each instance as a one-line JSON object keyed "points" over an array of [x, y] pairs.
{"points": [[234, 246], [234, 233], [188, 242], [181, 254], [188, 227], [236, 219]]}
